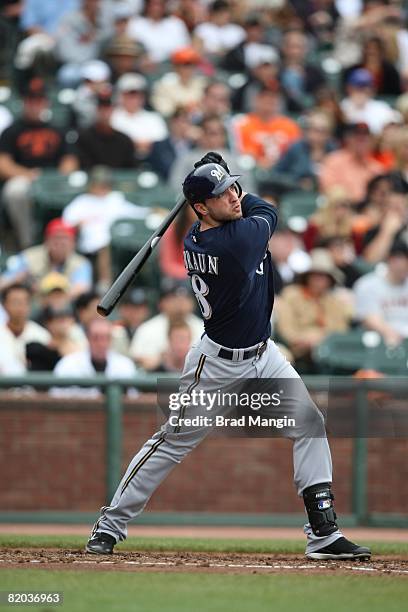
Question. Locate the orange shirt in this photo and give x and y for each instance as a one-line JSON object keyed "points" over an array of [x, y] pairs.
{"points": [[266, 140], [342, 168]]}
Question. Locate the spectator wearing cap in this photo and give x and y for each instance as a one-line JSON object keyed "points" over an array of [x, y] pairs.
{"points": [[80, 38], [95, 76], [102, 145], [130, 116], [158, 32], [181, 87], [299, 79], [218, 34], [98, 357], [60, 324], [309, 310], [125, 55], [236, 59], [385, 76], [360, 107], [18, 330], [133, 310], [93, 213], [180, 140], [352, 166], [264, 133], [53, 291], [28, 146], [301, 162], [57, 253], [382, 297], [151, 338], [262, 70]]}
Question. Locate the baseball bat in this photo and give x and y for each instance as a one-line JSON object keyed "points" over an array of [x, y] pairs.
{"points": [[118, 288]]}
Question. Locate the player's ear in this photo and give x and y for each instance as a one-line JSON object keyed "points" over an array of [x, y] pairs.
{"points": [[201, 208]]}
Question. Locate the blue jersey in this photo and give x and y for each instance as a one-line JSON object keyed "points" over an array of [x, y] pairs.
{"points": [[231, 275]]}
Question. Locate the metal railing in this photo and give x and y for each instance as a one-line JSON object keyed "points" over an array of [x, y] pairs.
{"points": [[114, 407]]}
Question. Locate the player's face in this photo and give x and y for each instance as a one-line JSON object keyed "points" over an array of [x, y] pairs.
{"points": [[225, 207]]}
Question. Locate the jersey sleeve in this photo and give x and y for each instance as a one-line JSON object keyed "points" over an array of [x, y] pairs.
{"points": [[248, 237]]}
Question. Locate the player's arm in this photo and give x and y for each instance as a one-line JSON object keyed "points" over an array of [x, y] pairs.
{"points": [[256, 209]]}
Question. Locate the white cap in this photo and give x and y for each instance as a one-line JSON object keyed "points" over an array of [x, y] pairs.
{"points": [[131, 81], [95, 70], [257, 54], [122, 10]]}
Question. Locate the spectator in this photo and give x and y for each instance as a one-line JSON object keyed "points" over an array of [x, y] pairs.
{"points": [[309, 311], [382, 297], [264, 133], [53, 291], [98, 358], [333, 218], [61, 326], [342, 251], [27, 146], [85, 311], [130, 117], [371, 210], [216, 102], [263, 69], [241, 57], [101, 144], [218, 34], [352, 166], [93, 214], [56, 254], [150, 339], [95, 76], [303, 159], [158, 32], [384, 75], [181, 87], [19, 330], [125, 55], [299, 79], [391, 228], [165, 153], [360, 107], [212, 137], [179, 343], [133, 310], [81, 37], [171, 254]]}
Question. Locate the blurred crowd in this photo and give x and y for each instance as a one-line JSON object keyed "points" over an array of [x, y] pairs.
{"points": [[307, 99]]}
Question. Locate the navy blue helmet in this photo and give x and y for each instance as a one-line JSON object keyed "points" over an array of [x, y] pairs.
{"points": [[208, 181]]}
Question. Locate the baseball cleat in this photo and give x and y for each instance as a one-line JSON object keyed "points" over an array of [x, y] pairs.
{"points": [[101, 544], [341, 549]]}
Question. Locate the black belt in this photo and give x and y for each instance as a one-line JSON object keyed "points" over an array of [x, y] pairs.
{"points": [[229, 353]]}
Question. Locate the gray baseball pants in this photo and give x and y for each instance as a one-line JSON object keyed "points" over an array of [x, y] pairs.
{"points": [[203, 370]]}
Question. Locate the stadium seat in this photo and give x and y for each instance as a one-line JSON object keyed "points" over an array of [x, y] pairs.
{"points": [[298, 204], [344, 354]]}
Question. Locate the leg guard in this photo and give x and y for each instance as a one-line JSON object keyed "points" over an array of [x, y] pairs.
{"points": [[318, 501]]}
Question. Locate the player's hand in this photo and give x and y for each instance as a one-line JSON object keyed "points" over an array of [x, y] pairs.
{"points": [[212, 158]]}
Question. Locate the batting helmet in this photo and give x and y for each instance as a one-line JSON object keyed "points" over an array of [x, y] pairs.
{"points": [[208, 181]]}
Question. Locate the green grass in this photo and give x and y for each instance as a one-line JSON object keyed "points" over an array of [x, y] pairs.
{"points": [[188, 544], [169, 592]]}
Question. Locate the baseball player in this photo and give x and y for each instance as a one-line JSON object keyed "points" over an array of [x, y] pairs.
{"points": [[227, 258]]}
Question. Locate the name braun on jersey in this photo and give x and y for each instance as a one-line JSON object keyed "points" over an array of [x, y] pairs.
{"points": [[242, 421], [200, 262]]}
